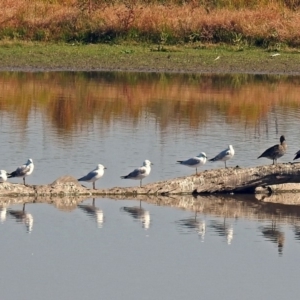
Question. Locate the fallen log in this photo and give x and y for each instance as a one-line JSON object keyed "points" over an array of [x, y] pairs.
{"points": [[226, 180], [262, 179]]}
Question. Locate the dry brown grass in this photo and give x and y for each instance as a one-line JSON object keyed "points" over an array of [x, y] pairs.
{"points": [[253, 22]]}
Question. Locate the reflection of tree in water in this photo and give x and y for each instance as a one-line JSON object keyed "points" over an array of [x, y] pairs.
{"points": [[22, 216], [138, 213], [272, 233], [222, 229], [193, 224], [93, 212], [73, 100]]}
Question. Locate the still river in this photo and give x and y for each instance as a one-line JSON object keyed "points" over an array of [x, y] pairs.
{"points": [[182, 248]]}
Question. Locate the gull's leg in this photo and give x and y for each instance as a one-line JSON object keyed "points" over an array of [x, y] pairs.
{"points": [[94, 185]]}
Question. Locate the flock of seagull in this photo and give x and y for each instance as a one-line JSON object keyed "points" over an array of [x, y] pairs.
{"points": [[272, 153]]}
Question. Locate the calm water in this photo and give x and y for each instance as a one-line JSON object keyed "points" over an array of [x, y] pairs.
{"points": [[157, 252], [162, 248]]}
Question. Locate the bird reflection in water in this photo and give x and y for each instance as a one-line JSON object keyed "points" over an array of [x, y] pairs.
{"points": [[22, 216], [297, 231], [193, 224], [222, 229], [138, 213], [273, 234], [93, 212], [3, 212]]}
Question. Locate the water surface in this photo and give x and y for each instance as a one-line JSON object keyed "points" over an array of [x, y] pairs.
{"points": [[157, 248], [223, 248], [69, 122]]}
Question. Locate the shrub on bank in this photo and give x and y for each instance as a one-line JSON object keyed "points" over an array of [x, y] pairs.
{"points": [[236, 22]]}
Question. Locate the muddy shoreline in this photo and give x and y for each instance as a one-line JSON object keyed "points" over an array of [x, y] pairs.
{"points": [[41, 57]]}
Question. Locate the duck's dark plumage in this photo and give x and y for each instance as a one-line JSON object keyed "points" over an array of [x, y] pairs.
{"points": [[276, 151]]}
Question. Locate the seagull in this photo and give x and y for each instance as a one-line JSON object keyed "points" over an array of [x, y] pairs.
{"points": [[94, 175], [224, 155], [23, 170], [140, 173], [3, 176], [194, 162], [276, 151]]}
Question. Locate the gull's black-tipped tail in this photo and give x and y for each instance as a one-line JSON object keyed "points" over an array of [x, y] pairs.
{"points": [[212, 159], [124, 177], [12, 174], [180, 161], [297, 155]]}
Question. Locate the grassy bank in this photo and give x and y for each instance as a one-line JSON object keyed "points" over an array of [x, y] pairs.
{"points": [[149, 58], [269, 24]]}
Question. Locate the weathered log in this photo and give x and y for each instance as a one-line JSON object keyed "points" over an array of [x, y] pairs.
{"points": [[263, 179], [226, 180], [63, 186]]}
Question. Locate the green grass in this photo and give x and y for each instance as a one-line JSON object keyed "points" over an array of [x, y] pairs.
{"points": [[149, 58]]}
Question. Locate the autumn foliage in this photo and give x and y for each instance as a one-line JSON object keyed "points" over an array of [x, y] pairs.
{"points": [[239, 22]]}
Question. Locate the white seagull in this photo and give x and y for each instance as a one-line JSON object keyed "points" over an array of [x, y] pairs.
{"points": [[94, 175], [224, 155], [23, 170], [140, 173], [3, 176], [194, 162]]}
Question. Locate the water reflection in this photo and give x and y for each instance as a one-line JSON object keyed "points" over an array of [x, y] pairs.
{"points": [[3, 212], [273, 233], [21, 216], [67, 120], [223, 229], [138, 213], [193, 224], [296, 229], [93, 212], [70, 100]]}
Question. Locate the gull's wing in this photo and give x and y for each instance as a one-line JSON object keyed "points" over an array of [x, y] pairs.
{"points": [[137, 172], [22, 170], [89, 176], [221, 155], [190, 162]]}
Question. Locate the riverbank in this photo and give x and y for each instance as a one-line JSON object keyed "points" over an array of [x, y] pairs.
{"points": [[129, 57]]}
